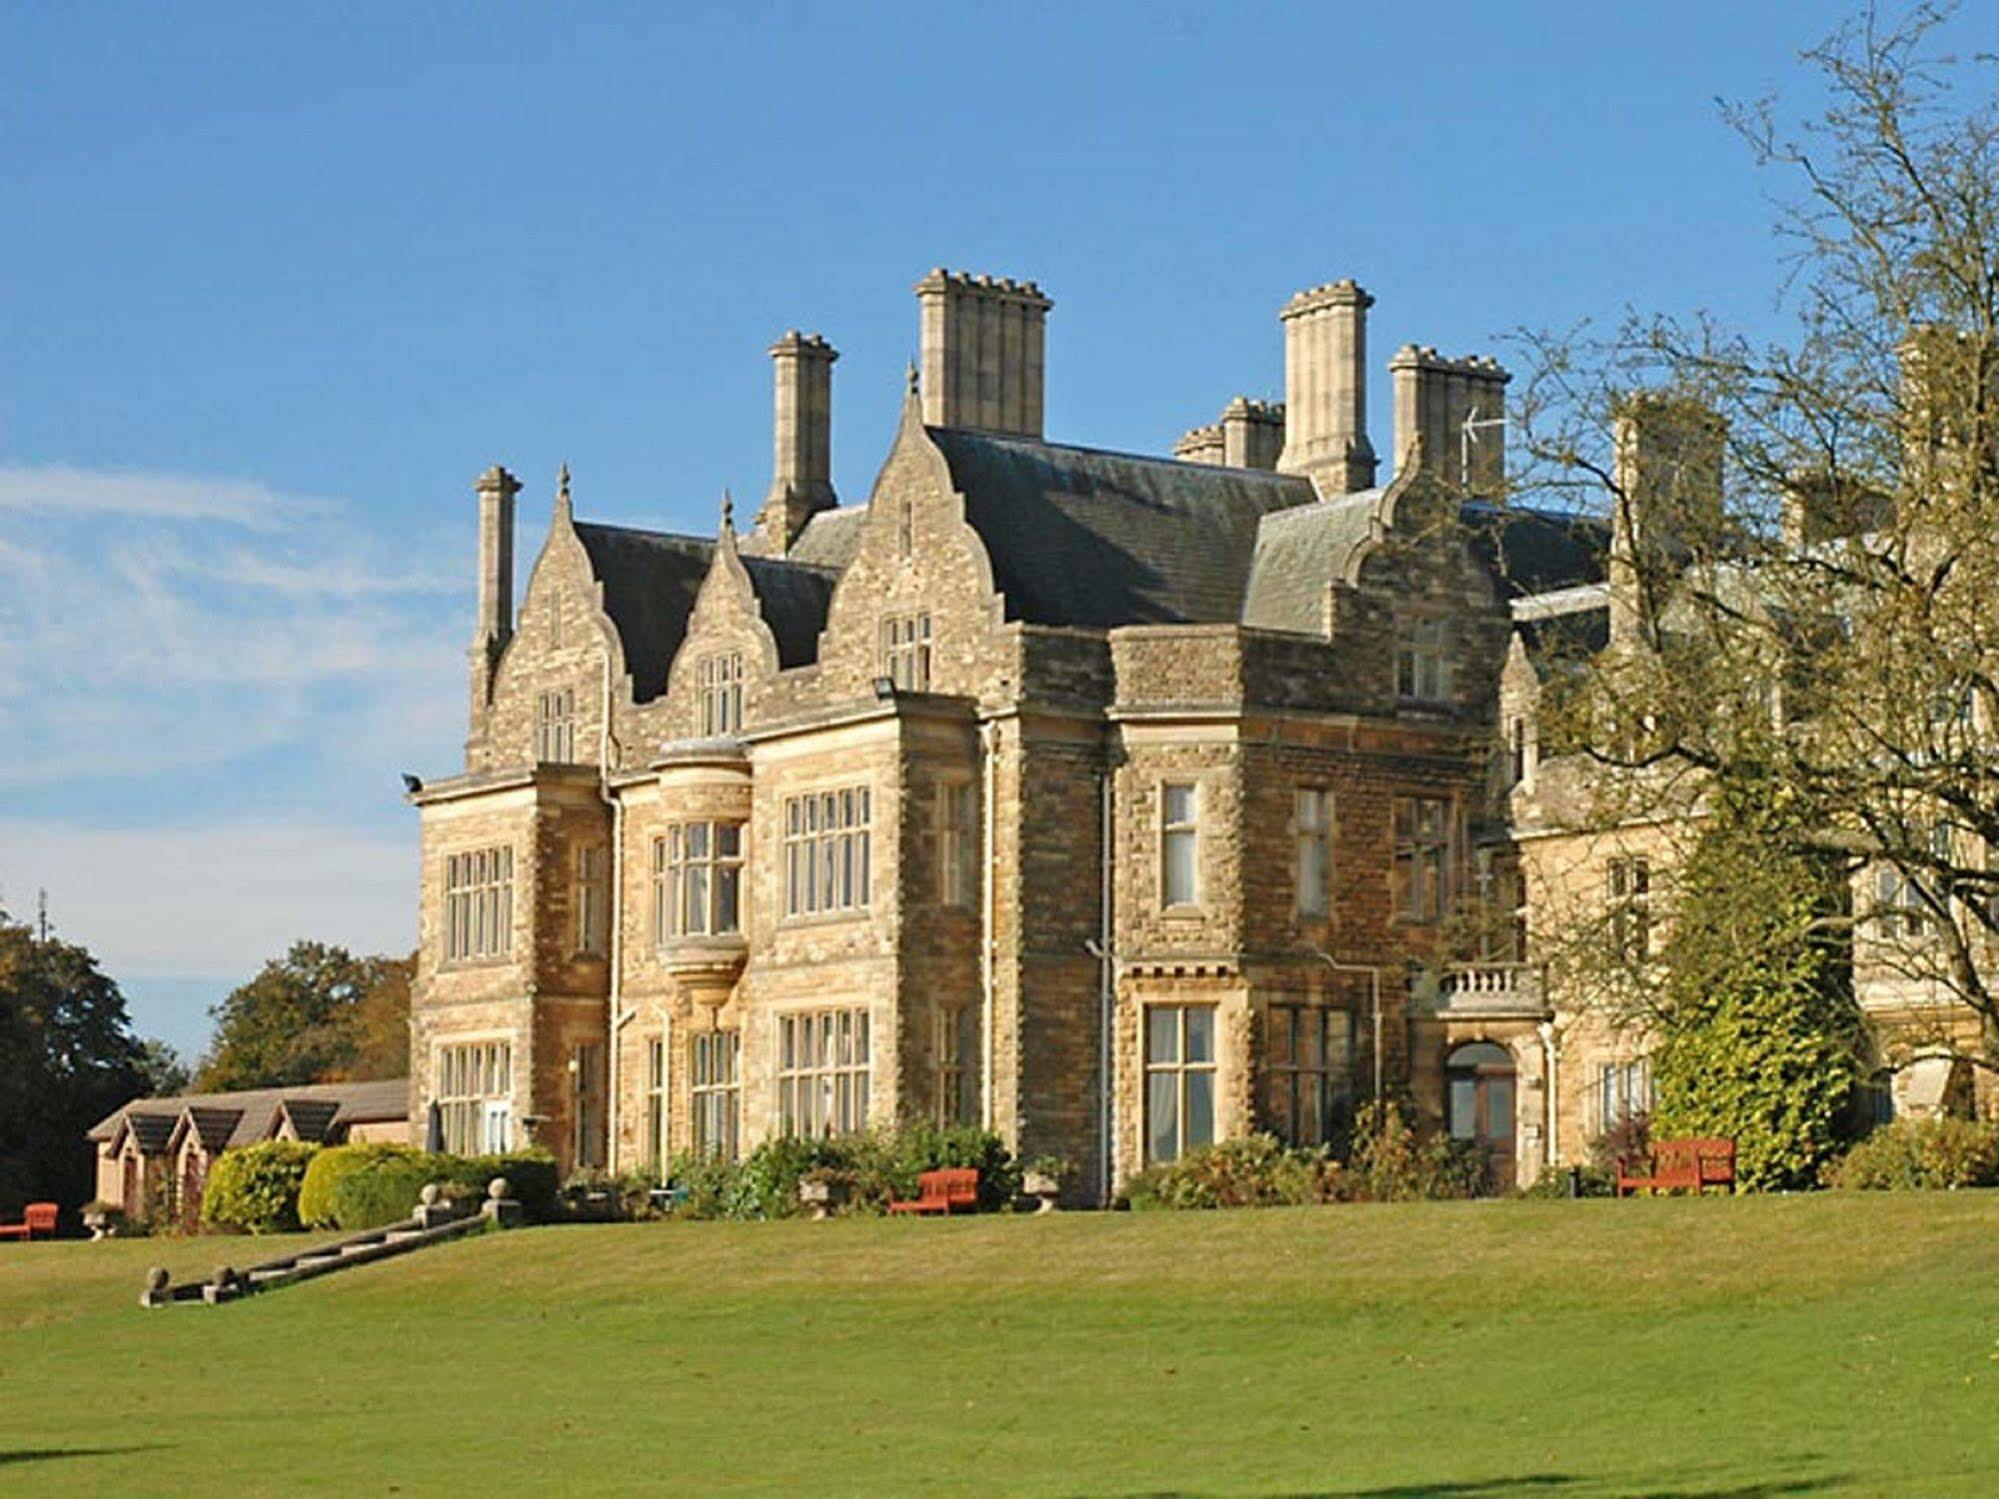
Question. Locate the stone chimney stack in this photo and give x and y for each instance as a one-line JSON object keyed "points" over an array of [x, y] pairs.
{"points": [[801, 481], [1668, 470], [982, 352], [1249, 435], [496, 488], [1325, 387], [1434, 398]]}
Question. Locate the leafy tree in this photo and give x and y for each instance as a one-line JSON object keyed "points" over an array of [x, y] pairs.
{"points": [[67, 1058], [1806, 558], [164, 1071], [317, 1014], [1757, 1028]]}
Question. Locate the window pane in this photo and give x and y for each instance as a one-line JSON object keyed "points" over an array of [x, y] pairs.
{"points": [[1162, 1034], [1200, 1034], [1464, 1108], [1200, 1109], [1181, 887], [1179, 804], [1162, 1125]]}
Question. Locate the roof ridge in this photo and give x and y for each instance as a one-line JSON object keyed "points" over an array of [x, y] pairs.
{"points": [[1015, 439]]}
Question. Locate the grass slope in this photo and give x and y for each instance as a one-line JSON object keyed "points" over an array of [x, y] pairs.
{"points": [[1723, 1347]]}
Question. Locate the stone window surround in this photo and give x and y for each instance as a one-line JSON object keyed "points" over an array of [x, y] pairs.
{"points": [[456, 943], [593, 899], [458, 1040], [1189, 827], [957, 843], [656, 1102], [715, 1091], [1419, 913], [906, 649], [1186, 1070], [673, 862], [833, 1054], [1324, 832], [1422, 660], [1628, 905], [803, 845], [719, 679], [555, 727]]}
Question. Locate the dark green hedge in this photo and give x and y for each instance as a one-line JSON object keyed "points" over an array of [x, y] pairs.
{"points": [[356, 1187], [256, 1188], [874, 1168]]}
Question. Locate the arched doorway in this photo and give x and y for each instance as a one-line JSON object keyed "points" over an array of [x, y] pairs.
{"points": [[1478, 1098]]}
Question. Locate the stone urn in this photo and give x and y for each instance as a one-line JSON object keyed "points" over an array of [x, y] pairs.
{"points": [[101, 1221], [1044, 1187], [819, 1196]]}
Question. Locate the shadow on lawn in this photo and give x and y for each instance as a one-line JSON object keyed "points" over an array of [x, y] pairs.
{"points": [[1535, 1483], [10, 1455]]}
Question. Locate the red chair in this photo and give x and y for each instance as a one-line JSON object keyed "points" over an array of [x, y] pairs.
{"points": [[38, 1218], [943, 1192]]}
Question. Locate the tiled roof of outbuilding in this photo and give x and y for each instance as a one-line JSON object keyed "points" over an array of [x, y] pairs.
{"points": [[252, 1114], [1084, 537]]}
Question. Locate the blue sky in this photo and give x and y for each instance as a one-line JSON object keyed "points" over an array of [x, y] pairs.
{"points": [[280, 280]]}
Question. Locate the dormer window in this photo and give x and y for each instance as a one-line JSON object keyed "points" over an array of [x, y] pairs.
{"points": [[906, 651], [555, 727], [721, 682], [1422, 663]]}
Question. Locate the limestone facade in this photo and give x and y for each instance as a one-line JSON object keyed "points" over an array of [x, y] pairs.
{"points": [[1114, 803]]}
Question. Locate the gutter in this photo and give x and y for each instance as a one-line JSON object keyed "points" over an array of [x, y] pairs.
{"points": [[988, 743], [614, 925]]}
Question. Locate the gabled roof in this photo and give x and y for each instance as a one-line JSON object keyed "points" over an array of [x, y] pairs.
{"points": [[252, 1114], [1084, 537], [212, 1125], [792, 598], [310, 1118], [650, 579]]}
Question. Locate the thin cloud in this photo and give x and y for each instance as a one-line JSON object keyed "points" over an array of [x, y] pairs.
{"points": [[58, 489]]}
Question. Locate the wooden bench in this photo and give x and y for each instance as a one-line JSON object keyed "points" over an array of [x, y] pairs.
{"points": [[1678, 1166], [944, 1191], [36, 1218]]}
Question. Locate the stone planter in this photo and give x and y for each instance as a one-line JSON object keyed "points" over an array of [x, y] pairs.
{"points": [[103, 1224], [1042, 1187], [819, 1198]]}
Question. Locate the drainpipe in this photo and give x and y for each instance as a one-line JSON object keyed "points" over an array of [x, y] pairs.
{"points": [[616, 922], [1106, 986], [988, 743], [1553, 1149]]}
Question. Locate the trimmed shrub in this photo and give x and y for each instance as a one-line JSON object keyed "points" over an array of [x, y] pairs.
{"points": [[1920, 1155], [871, 1168], [255, 1189], [1256, 1172], [370, 1186], [331, 1167]]}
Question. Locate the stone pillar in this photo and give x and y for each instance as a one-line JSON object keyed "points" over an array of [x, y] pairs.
{"points": [[1325, 387], [982, 349], [801, 482], [1201, 445], [1252, 433]]}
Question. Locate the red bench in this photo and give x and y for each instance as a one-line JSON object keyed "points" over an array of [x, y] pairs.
{"points": [[37, 1218], [1678, 1166], [945, 1191]]}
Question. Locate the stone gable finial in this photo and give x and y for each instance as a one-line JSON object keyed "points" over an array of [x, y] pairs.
{"points": [[562, 485], [912, 381], [728, 511]]}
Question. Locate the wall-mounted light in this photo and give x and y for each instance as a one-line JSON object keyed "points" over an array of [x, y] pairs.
{"points": [[885, 689]]}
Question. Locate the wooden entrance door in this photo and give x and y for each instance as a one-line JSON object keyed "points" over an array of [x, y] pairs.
{"points": [[1479, 1099]]}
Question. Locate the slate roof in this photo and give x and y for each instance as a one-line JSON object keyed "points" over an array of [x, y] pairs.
{"points": [[1299, 552], [1084, 537], [793, 600], [1559, 640], [830, 538], [1536, 551], [252, 1114], [650, 579]]}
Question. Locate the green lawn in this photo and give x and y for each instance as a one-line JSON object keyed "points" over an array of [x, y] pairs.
{"points": [[1744, 1347]]}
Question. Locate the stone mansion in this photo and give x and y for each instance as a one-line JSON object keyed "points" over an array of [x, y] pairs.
{"points": [[1117, 803]]}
